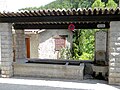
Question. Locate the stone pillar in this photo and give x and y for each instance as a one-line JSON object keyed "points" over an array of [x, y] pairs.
{"points": [[6, 50], [114, 53], [100, 48], [20, 48], [119, 3]]}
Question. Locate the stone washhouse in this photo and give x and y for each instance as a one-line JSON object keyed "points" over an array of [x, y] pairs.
{"points": [[56, 19]]}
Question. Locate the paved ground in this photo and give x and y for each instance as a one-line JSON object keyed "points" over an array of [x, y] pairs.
{"points": [[26, 87], [53, 84]]}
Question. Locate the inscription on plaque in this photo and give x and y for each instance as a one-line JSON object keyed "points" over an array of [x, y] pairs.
{"points": [[100, 47]]}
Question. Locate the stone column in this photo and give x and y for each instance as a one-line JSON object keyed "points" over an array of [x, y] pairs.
{"points": [[6, 50], [119, 3], [114, 53], [20, 48]]}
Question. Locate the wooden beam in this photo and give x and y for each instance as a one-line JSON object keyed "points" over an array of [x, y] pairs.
{"points": [[60, 26]]}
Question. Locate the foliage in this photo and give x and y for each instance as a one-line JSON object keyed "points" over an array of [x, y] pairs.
{"points": [[65, 53], [98, 4], [77, 42], [111, 4], [83, 44], [67, 4], [85, 4], [86, 56], [108, 4]]}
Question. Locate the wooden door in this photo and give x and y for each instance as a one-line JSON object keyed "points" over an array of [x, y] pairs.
{"points": [[27, 40]]}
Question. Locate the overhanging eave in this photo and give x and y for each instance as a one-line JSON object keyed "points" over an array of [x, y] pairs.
{"points": [[92, 18]]}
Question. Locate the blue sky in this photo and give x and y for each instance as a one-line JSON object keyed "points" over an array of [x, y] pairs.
{"points": [[14, 5]]}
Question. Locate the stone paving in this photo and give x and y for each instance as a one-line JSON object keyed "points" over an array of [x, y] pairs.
{"points": [[26, 83]]}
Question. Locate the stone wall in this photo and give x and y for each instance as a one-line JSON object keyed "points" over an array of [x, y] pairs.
{"points": [[20, 50], [6, 49], [114, 53], [49, 71], [46, 47]]}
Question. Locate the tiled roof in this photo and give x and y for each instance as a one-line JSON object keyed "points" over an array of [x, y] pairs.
{"points": [[52, 19], [62, 12]]}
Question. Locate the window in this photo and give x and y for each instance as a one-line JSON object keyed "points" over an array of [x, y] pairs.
{"points": [[60, 42]]}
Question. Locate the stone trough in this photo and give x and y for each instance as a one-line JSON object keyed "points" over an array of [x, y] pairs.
{"points": [[50, 69]]}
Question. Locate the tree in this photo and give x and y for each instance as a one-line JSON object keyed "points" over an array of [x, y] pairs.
{"points": [[77, 45], [111, 4], [98, 4], [67, 4]]}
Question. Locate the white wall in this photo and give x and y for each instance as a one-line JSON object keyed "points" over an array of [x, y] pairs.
{"points": [[42, 45], [46, 47], [34, 38]]}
